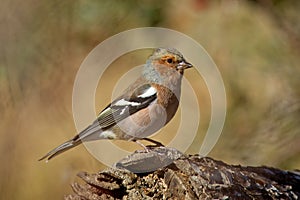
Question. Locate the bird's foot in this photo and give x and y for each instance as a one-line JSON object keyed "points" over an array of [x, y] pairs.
{"points": [[148, 148], [157, 144]]}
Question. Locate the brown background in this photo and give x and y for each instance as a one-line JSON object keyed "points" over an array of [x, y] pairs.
{"points": [[255, 44]]}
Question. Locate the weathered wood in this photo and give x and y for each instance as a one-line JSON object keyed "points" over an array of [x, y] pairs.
{"points": [[190, 177]]}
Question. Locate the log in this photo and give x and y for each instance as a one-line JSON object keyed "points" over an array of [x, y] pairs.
{"points": [[188, 177]]}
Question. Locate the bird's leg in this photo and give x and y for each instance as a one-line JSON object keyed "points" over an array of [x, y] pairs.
{"points": [[141, 144], [154, 142], [157, 144]]}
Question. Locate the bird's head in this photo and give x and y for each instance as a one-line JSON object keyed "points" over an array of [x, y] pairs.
{"points": [[170, 58]]}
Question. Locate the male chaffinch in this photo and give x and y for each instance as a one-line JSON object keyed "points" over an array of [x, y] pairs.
{"points": [[145, 106]]}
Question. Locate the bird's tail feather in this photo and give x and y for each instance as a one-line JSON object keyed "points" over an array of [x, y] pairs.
{"points": [[61, 148]]}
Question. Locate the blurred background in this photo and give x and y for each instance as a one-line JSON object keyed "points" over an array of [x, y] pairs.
{"points": [[255, 44]]}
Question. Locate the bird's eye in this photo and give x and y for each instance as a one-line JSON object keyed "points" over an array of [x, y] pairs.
{"points": [[170, 60]]}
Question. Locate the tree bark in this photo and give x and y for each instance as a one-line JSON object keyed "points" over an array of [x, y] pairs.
{"points": [[190, 177]]}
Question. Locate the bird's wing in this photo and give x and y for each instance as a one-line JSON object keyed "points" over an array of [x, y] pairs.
{"points": [[121, 108]]}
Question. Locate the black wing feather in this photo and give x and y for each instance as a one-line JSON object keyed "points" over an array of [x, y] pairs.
{"points": [[115, 112]]}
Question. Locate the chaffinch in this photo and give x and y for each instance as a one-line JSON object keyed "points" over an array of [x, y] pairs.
{"points": [[145, 106]]}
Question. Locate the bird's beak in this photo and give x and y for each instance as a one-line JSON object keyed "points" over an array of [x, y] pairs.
{"points": [[184, 65]]}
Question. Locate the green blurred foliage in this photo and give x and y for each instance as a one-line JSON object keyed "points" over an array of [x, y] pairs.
{"points": [[255, 44]]}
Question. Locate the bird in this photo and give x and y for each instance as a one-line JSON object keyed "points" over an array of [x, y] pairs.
{"points": [[146, 106]]}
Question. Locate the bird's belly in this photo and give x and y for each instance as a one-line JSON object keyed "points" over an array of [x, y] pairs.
{"points": [[144, 123]]}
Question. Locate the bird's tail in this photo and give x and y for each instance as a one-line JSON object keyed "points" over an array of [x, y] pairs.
{"points": [[62, 148]]}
